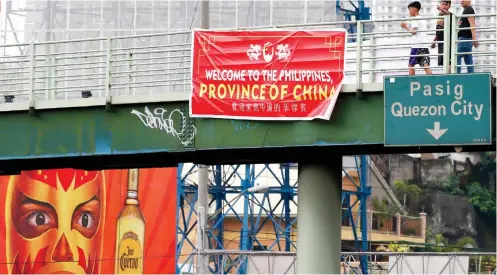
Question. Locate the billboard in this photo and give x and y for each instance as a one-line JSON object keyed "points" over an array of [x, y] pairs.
{"points": [[88, 222], [267, 74]]}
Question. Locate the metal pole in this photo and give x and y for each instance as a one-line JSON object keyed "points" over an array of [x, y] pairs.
{"points": [[179, 205], [358, 72], [203, 205], [246, 243], [364, 193], [453, 45], [203, 179], [446, 45], [32, 65], [204, 14], [286, 203], [219, 197], [108, 70]]}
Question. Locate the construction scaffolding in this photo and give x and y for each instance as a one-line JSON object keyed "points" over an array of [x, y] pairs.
{"points": [[267, 219]]}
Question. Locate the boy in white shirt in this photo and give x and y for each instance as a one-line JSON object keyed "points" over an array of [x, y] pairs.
{"points": [[419, 49]]}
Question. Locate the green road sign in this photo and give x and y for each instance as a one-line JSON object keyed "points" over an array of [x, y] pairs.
{"points": [[426, 110]]}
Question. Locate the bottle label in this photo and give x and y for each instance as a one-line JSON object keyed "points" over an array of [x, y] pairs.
{"points": [[133, 180], [130, 254]]}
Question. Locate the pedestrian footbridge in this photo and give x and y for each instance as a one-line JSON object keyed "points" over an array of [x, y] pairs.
{"points": [[108, 99]]}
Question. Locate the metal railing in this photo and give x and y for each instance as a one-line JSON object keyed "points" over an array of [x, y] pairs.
{"points": [[458, 54], [156, 67], [269, 262], [389, 224]]}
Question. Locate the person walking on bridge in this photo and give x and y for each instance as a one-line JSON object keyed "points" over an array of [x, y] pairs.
{"points": [[439, 36], [466, 47], [420, 54]]}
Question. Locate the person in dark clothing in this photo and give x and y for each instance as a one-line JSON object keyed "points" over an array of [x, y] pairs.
{"points": [[466, 47], [439, 36]]}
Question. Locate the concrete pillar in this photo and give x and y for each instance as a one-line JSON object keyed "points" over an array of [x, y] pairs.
{"points": [[423, 225], [319, 217], [203, 207], [398, 223]]}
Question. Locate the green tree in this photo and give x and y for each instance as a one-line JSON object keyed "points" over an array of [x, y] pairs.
{"points": [[487, 161], [481, 198], [452, 185], [384, 210], [405, 190]]}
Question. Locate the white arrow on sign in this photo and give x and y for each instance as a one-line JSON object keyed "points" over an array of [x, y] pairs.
{"points": [[436, 132]]}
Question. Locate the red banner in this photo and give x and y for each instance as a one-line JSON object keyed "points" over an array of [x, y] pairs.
{"points": [[267, 75]]}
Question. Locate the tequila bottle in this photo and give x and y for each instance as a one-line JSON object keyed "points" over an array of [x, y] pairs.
{"points": [[130, 235]]}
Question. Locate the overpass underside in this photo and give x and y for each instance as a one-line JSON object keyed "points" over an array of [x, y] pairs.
{"points": [[162, 134]]}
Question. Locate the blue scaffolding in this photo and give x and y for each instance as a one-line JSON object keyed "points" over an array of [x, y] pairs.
{"points": [[353, 11], [274, 207]]}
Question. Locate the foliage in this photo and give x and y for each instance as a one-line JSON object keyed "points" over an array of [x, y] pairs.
{"points": [[383, 210], [411, 190], [487, 161], [452, 185], [489, 261], [440, 244], [405, 190], [464, 241], [440, 240], [481, 198], [394, 247]]}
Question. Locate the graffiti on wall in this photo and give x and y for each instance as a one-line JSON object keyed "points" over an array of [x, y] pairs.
{"points": [[173, 123], [243, 124], [88, 222]]}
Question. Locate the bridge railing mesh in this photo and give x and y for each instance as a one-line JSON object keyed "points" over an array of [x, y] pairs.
{"points": [[152, 64]]}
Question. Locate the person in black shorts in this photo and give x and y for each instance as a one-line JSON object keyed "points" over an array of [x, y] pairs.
{"points": [[439, 36], [420, 54]]}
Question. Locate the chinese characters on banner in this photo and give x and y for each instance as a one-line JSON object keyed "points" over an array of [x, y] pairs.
{"points": [[267, 75]]}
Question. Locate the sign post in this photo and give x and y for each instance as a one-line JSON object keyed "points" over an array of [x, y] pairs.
{"points": [[430, 110]]}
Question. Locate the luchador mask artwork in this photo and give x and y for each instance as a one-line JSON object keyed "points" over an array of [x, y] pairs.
{"points": [[54, 221]]}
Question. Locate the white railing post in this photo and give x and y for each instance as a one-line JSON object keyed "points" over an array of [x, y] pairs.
{"points": [[372, 55], [53, 77], [358, 72], [32, 61], [447, 44], [453, 43], [130, 74], [108, 70]]}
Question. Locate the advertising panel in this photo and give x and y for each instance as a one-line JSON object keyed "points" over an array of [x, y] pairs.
{"points": [[267, 74], [88, 222]]}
